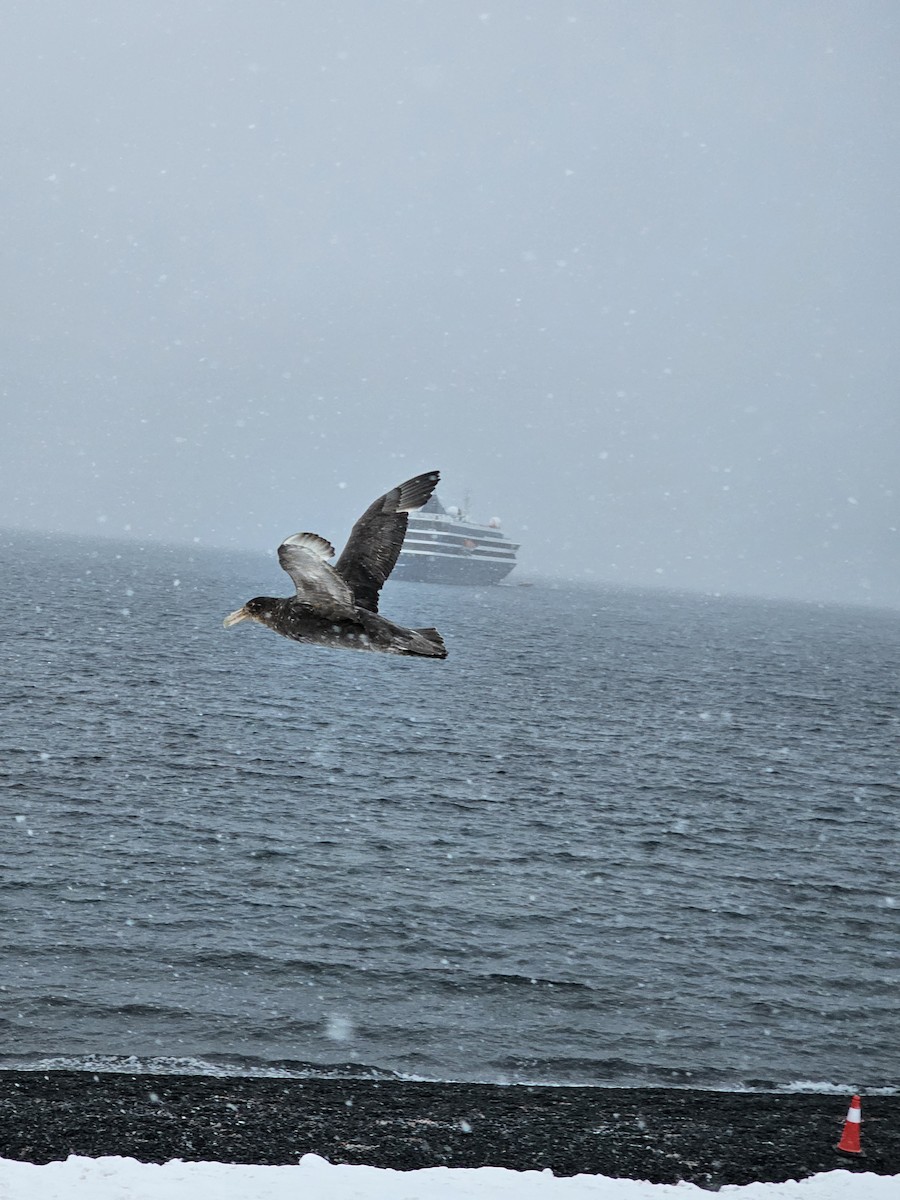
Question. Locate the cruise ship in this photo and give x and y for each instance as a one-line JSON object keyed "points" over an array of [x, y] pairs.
{"points": [[443, 546]]}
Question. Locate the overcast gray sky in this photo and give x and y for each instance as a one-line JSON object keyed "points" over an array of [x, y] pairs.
{"points": [[627, 272]]}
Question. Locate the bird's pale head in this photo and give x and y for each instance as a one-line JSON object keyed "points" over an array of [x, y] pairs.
{"points": [[257, 609]]}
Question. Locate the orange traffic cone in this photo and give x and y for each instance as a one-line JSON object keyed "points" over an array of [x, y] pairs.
{"points": [[849, 1142]]}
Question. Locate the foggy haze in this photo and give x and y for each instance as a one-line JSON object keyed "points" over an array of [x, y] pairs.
{"points": [[626, 273]]}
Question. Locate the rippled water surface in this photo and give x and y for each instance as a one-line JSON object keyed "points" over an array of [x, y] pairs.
{"points": [[618, 837]]}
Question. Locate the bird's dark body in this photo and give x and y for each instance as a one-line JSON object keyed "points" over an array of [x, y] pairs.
{"points": [[338, 606], [362, 631]]}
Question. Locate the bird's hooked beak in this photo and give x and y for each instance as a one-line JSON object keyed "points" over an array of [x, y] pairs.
{"points": [[240, 614]]}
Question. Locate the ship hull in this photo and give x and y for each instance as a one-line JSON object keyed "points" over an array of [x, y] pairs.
{"points": [[419, 567]]}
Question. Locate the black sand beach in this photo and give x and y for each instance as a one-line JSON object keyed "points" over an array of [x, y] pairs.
{"points": [[662, 1135]]}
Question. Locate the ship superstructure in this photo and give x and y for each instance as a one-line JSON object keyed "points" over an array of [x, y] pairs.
{"points": [[442, 545]]}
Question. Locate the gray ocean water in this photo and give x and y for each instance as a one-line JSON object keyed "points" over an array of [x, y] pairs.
{"points": [[619, 837]]}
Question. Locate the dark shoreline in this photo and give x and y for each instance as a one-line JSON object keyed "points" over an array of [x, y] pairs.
{"points": [[659, 1134]]}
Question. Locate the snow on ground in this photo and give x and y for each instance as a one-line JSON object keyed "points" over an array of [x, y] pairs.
{"points": [[315, 1179]]}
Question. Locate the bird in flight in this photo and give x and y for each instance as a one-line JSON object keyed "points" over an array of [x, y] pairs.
{"points": [[338, 606]]}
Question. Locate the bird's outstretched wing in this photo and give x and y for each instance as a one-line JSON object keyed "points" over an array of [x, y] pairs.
{"points": [[375, 540], [303, 557]]}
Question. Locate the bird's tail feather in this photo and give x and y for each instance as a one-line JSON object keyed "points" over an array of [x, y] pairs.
{"points": [[436, 647]]}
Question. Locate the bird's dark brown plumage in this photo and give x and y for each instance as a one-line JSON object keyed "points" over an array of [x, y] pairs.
{"points": [[338, 606]]}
